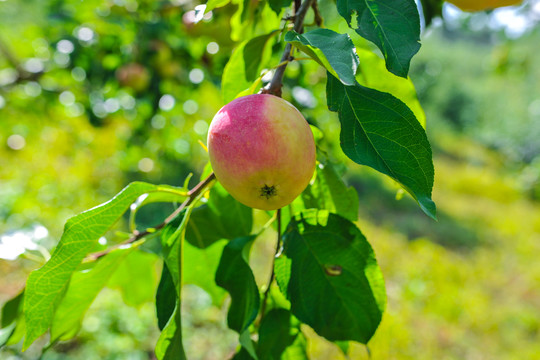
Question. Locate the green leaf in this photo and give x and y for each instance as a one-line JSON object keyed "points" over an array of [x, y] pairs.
{"points": [[242, 354], [82, 290], [222, 217], [394, 26], [167, 194], [172, 237], [16, 332], [329, 273], [165, 298], [141, 266], [274, 334], [297, 350], [380, 131], [373, 75], [253, 55], [235, 276], [10, 327], [277, 5], [431, 9], [212, 4], [330, 192], [332, 50], [200, 266], [45, 287], [247, 346], [6, 333], [244, 66], [252, 17], [169, 345], [11, 310], [343, 346]]}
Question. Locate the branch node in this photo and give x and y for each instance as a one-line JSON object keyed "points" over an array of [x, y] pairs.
{"points": [[274, 87]]}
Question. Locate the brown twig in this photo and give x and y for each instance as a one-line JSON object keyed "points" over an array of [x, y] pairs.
{"points": [[318, 18], [275, 85], [192, 195]]}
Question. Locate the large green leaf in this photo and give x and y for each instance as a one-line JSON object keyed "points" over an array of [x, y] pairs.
{"points": [[222, 217], [200, 266], [380, 131], [332, 50], [331, 193], [252, 18], [45, 287], [141, 266], [165, 298], [11, 310], [254, 52], [82, 290], [235, 276], [373, 74], [274, 334], [169, 345], [394, 26], [329, 273], [244, 66], [11, 319]]}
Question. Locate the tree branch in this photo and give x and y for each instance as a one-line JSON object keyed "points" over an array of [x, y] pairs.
{"points": [[192, 195], [318, 18], [275, 85]]}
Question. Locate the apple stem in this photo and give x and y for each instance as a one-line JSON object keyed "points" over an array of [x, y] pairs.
{"points": [[137, 235], [277, 81]]}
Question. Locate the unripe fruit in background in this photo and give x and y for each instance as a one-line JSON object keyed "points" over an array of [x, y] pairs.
{"points": [[133, 75], [262, 151], [479, 5]]}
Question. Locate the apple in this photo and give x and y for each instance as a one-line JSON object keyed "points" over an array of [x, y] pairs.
{"points": [[261, 150], [479, 5]]}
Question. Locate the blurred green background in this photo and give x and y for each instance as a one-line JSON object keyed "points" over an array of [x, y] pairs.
{"points": [[96, 94]]}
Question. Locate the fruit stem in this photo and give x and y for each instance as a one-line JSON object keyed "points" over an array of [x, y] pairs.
{"points": [[272, 275], [277, 81]]}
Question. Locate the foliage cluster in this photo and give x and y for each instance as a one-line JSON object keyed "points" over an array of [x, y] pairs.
{"points": [[108, 102]]}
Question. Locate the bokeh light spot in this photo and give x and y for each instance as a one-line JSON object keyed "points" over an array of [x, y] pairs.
{"points": [[212, 47], [78, 73], [181, 146], [196, 76], [190, 107], [16, 142], [66, 98], [146, 164], [166, 102], [158, 122], [200, 127], [65, 46]]}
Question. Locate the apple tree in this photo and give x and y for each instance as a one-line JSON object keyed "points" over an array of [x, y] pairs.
{"points": [[324, 274]]}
